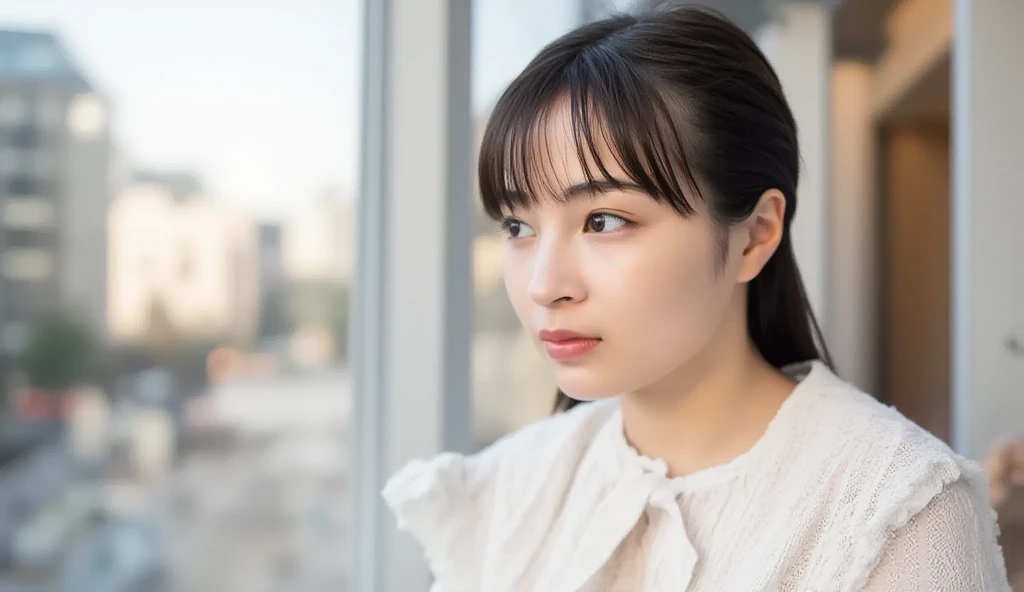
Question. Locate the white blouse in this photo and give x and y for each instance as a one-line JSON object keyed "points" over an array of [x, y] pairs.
{"points": [[841, 493]]}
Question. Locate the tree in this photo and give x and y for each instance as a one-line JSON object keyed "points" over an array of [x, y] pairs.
{"points": [[61, 352]]}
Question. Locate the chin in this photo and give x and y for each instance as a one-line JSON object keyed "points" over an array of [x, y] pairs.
{"points": [[586, 385]]}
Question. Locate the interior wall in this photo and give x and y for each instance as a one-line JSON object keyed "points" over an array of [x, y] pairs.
{"points": [[916, 272], [988, 363], [852, 274], [798, 43], [905, 82]]}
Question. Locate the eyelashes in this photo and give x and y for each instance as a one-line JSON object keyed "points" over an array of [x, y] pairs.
{"points": [[514, 228], [596, 223], [603, 222]]}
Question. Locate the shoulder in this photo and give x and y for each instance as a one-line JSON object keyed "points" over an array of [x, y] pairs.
{"points": [[861, 434], [448, 502], [880, 469]]}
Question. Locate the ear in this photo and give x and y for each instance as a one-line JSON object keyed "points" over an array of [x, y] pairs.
{"points": [[760, 234]]}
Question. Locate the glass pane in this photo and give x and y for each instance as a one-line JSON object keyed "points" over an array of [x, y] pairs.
{"points": [[512, 385], [177, 187]]}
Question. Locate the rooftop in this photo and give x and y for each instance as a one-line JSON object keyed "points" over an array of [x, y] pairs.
{"points": [[37, 56]]}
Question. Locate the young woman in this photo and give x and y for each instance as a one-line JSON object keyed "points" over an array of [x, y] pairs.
{"points": [[645, 172]]}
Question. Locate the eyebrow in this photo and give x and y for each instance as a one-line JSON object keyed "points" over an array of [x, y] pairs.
{"points": [[597, 187], [586, 190]]}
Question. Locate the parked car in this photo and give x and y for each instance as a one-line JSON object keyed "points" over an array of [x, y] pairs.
{"points": [[122, 556], [19, 436]]}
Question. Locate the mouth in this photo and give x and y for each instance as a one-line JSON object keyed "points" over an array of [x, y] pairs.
{"points": [[563, 345]]}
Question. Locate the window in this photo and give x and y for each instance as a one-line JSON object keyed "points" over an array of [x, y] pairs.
{"points": [[12, 160], [28, 213], [45, 238], [27, 264], [13, 109], [26, 300], [51, 112], [42, 165], [14, 336], [25, 137], [38, 57], [225, 115], [512, 384], [25, 185]]}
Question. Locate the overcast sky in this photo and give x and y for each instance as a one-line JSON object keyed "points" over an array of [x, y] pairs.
{"points": [[258, 96]]}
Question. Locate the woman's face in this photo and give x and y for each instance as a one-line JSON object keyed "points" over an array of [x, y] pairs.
{"points": [[617, 290]]}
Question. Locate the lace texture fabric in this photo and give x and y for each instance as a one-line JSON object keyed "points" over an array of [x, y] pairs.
{"points": [[840, 494]]}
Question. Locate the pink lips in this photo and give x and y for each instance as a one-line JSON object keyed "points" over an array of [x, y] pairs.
{"points": [[562, 344]]}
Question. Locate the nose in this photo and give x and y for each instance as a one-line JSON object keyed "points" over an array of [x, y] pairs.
{"points": [[556, 276]]}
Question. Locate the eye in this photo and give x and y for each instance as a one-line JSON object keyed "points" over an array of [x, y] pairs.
{"points": [[516, 228], [604, 223]]}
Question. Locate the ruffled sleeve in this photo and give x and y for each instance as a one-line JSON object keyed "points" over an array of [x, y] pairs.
{"points": [[444, 504], [478, 517], [950, 546], [928, 524]]}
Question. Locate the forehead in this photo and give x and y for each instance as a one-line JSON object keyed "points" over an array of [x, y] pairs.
{"points": [[566, 151], [538, 151]]}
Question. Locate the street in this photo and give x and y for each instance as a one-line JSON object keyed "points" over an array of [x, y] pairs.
{"points": [[266, 512]]}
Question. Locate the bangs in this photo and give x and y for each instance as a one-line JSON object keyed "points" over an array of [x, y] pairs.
{"points": [[614, 113]]}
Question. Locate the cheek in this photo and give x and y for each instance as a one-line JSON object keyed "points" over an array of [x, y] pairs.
{"points": [[657, 312], [674, 299]]}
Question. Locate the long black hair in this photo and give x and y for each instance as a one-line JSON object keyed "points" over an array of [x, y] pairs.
{"points": [[691, 109]]}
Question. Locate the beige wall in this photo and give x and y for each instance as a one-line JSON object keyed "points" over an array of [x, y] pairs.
{"points": [[878, 220], [852, 276], [916, 273]]}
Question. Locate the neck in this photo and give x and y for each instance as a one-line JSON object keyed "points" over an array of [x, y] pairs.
{"points": [[711, 409]]}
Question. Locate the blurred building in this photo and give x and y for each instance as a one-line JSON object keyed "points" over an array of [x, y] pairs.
{"points": [[274, 320], [317, 244], [271, 255], [54, 187], [181, 262]]}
